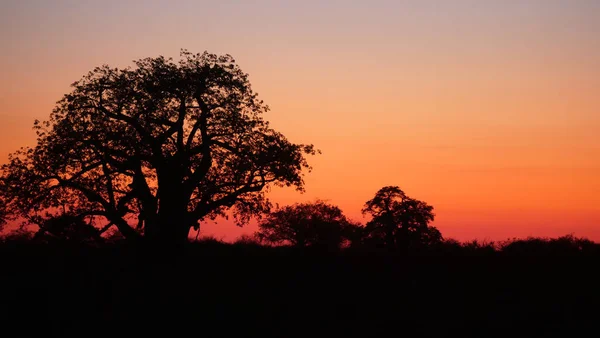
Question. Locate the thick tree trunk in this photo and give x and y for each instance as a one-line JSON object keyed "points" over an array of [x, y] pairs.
{"points": [[170, 226], [172, 231]]}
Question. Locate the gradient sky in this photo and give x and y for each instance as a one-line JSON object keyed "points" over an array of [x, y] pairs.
{"points": [[488, 110]]}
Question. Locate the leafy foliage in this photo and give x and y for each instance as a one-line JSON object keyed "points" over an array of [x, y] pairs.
{"points": [[162, 145], [398, 220], [306, 224]]}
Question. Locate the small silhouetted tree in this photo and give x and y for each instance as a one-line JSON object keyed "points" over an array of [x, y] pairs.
{"points": [[399, 221], [305, 224], [154, 149]]}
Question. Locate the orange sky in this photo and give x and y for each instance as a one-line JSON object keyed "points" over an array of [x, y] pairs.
{"points": [[488, 110]]}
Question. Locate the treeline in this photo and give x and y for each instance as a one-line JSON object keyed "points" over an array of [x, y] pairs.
{"points": [[564, 245], [530, 246], [398, 223], [307, 271]]}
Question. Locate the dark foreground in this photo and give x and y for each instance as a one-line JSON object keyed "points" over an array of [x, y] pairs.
{"points": [[216, 290]]}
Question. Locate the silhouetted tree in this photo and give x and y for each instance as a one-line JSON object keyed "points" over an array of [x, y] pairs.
{"points": [[305, 224], [398, 220], [163, 145]]}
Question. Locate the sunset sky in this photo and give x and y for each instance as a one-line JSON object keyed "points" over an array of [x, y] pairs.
{"points": [[487, 110]]}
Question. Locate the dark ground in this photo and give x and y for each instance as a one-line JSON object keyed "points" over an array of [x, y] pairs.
{"points": [[215, 290]]}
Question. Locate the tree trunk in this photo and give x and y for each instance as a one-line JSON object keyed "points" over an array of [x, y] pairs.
{"points": [[170, 226]]}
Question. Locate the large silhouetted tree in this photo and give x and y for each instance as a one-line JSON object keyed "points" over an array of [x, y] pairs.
{"points": [[400, 221], [306, 224], [153, 150]]}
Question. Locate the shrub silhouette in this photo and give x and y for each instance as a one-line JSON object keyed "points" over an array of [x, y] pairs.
{"points": [[67, 227], [20, 236], [247, 240], [565, 245]]}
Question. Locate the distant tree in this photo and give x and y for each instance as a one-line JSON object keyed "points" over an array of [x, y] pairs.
{"points": [[154, 150], [305, 224], [399, 221]]}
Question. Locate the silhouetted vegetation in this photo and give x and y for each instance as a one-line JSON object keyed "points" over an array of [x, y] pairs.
{"points": [[399, 221], [306, 284], [150, 152], [163, 145], [67, 227], [216, 288], [317, 224]]}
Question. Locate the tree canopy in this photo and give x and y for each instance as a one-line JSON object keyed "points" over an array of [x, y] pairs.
{"points": [[153, 150], [306, 224], [398, 220]]}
